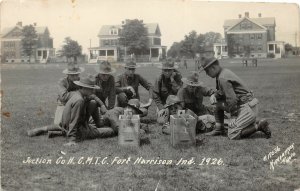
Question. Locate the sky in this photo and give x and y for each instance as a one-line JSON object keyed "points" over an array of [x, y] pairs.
{"points": [[82, 19]]}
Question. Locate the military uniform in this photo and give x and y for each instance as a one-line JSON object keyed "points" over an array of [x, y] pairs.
{"points": [[234, 97], [124, 81], [163, 87], [194, 100], [107, 90], [66, 89]]}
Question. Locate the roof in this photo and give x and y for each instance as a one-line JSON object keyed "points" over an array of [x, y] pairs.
{"points": [[38, 29], [262, 21], [152, 27]]}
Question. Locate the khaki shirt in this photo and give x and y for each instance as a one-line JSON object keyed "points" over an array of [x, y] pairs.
{"points": [[107, 90], [194, 100], [232, 90], [74, 116], [124, 81], [163, 87], [66, 89]]}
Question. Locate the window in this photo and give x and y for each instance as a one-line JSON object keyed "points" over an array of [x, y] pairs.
{"points": [[156, 41], [113, 31], [259, 48], [259, 36], [252, 36], [271, 47], [102, 52], [252, 48], [110, 52], [39, 53]]}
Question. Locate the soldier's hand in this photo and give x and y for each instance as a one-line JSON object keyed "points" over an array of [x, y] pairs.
{"points": [[173, 77], [103, 109], [132, 91], [213, 99]]}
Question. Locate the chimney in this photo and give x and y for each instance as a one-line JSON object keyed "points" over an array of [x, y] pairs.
{"points": [[19, 23], [259, 15], [34, 24], [240, 16], [247, 14]]}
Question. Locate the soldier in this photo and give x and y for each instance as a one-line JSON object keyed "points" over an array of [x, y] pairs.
{"points": [[191, 96], [173, 104], [167, 83], [75, 118], [66, 84], [233, 96], [127, 85], [106, 81]]}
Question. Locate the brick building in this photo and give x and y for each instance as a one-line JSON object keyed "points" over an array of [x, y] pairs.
{"points": [[251, 37], [11, 46]]}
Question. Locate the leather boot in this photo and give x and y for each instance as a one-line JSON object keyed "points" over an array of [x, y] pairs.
{"points": [[248, 131], [263, 126], [37, 131], [52, 134], [219, 130]]}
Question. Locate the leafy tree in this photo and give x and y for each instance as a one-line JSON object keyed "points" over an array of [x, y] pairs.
{"points": [[288, 47], [174, 50], [134, 36], [29, 40], [212, 37], [71, 49]]}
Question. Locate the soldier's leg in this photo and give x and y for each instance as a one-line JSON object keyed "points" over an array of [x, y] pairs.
{"points": [[42, 130], [93, 111], [219, 127]]}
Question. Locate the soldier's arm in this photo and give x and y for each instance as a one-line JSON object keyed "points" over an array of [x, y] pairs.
{"points": [[176, 81], [147, 85], [231, 98], [75, 120], [63, 94], [112, 93], [156, 97], [181, 97]]}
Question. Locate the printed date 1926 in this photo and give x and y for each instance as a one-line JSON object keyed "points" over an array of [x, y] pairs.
{"points": [[212, 161]]}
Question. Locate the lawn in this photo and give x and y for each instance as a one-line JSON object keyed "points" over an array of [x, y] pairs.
{"points": [[29, 95]]}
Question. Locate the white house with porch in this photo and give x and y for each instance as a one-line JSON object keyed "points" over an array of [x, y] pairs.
{"points": [[110, 49]]}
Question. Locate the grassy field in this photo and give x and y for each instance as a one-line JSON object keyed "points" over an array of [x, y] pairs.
{"points": [[29, 95]]}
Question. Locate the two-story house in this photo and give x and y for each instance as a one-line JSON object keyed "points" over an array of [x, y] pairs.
{"points": [[110, 48], [11, 45], [250, 37]]}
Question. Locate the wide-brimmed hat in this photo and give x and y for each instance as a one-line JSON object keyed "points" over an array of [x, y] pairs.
{"points": [[73, 68], [168, 65], [104, 67], [131, 64], [171, 100], [135, 104], [87, 82], [192, 79], [206, 62]]}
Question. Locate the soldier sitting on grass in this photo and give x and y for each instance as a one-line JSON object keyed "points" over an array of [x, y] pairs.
{"points": [[167, 83], [127, 85], [233, 96]]}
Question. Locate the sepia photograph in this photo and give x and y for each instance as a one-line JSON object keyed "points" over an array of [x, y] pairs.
{"points": [[149, 95]]}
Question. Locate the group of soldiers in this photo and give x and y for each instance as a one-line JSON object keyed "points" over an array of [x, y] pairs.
{"points": [[92, 104]]}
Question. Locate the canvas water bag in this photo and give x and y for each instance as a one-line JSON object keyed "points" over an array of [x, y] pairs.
{"points": [[129, 130], [183, 129]]}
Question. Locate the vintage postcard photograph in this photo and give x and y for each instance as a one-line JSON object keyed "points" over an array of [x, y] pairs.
{"points": [[152, 95]]}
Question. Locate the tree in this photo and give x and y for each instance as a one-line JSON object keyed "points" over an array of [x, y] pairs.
{"points": [[174, 50], [71, 49], [29, 40], [134, 36], [288, 47]]}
